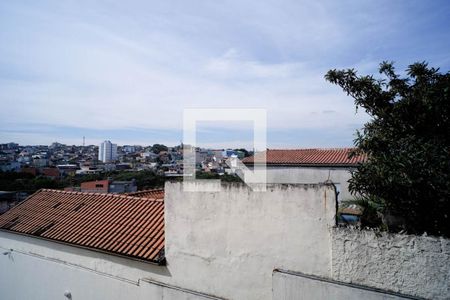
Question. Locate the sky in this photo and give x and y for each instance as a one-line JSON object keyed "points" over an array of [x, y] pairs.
{"points": [[126, 70]]}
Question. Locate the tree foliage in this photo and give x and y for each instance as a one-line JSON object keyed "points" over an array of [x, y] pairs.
{"points": [[407, 143], [370, 209], [224, 177], [144, 179], [156, 148], [12, 181]]}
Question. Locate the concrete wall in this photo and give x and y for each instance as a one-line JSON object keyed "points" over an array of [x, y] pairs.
{"points": [[224, 245], [413, 265], [338, 176], [232, 241], [295, 286]]}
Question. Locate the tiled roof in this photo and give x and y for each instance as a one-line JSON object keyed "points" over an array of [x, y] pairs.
{"points": [[116, 224], [152, 194], [324, 157]]}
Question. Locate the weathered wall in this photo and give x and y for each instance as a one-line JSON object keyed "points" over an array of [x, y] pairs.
{"points": [[311, 175], [294, 286], [232, 241], [413, 265]]}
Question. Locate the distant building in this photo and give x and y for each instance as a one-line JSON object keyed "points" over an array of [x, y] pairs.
{"points": [[309, 166], [67, 169], [50, 172], [100, 186], [120, 187], [88, 169], [11, 166], [39, 161], [128, 149], [108, 186], [107, 151], [233, 153], [9, 146]]}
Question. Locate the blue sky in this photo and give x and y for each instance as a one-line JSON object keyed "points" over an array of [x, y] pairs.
{"points": [[125, 70]]}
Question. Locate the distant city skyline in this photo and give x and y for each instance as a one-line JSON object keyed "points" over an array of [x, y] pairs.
{"points": [[125, 71]]}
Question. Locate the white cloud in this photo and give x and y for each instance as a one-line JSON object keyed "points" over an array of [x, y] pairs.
{"points": [[137, 65]]}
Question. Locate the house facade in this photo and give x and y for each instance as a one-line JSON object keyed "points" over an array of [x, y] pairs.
{"points": [[108, 186], [309, 166]]}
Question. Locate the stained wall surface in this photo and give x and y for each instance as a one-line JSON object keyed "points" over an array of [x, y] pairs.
{"points": [[231, 241], [409, 264], [308, 175]]}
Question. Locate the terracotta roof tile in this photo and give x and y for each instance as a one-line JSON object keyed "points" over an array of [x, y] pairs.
{"points": [[118, 224], [324, 157]]}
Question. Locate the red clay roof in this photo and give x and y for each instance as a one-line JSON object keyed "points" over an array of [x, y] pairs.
{"points": [[153, 194], [117, 224], [324, 157]]}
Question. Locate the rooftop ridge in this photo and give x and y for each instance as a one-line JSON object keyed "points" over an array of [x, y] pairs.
{"points": [[125, 196], [149, 193], [308, 157], [315, 149]]}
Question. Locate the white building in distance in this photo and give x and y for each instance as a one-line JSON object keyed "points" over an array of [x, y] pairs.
{"points": [[107, 151]]}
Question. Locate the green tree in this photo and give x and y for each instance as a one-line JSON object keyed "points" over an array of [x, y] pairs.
{"points": [[158, 148], [407, 143], [144, 179], [224, 177]]}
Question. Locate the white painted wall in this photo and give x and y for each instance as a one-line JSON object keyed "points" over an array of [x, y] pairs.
{"points": [[222, 244], [409, 264], [232, 241], [289, 286], [42, 270], [338, 176]]}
